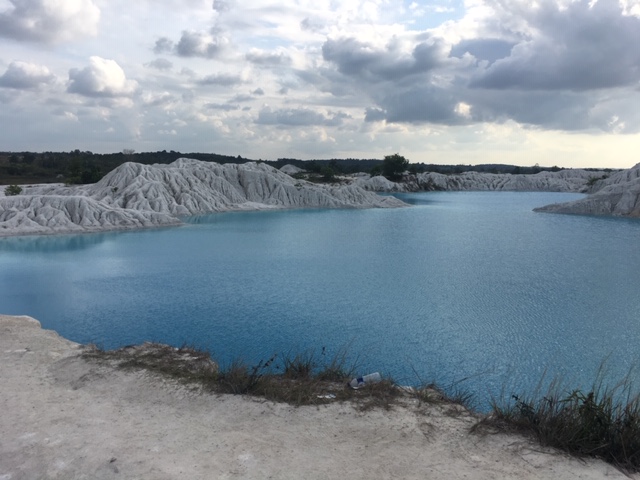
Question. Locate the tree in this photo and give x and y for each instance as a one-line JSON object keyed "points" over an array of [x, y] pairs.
{"points": [[328, 174], [393, 166], [12, 190]]}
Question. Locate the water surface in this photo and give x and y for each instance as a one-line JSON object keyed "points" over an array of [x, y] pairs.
{"points": [[463, 286]]}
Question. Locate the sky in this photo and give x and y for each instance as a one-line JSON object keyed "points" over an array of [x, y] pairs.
{"points": [[548, 82]]}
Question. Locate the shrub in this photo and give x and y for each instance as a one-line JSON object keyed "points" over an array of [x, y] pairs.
{"points": [[599, 422], [12, 190]]}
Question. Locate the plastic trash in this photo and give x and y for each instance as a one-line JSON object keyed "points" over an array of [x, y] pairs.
{"points": [[328, 396], [360, 382]]}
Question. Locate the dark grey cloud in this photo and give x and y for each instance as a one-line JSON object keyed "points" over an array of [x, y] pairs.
{"points": [[426, 104], [198, 44], [567, 111], [44, 21], [299, 117], [422, 104], [584, 46], [268, 58], [25, 76], [487, 49], [258, 91], [355, 58], [160, 64], [222, 79], [374, 115]]}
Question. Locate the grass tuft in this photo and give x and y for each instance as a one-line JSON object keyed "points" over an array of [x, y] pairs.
{"points": [[301, 379], [602, 422]]}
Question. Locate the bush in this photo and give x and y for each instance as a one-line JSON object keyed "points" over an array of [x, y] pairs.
{"points": [[12, 190]]}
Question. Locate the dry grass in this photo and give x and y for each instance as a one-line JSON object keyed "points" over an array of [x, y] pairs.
{"points": [[300, 379], [601, 422]]}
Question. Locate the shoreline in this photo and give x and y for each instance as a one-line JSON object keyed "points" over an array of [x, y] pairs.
{"points": [[65, 417]]}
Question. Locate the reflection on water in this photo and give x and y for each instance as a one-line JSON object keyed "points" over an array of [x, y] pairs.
{"points": [[55, 243]]}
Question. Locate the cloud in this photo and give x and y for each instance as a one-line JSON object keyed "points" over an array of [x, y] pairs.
{"points": [[199, 44], [222, 5], [160, 64], [536, 64], [312, 24], [102, 78], [489, 49], [580, 45], [192, 44], [49, 21], [298, 117], [374, 115], [163, 45], [25, 76], [368, 62], [260, 57], [227, 107], [242, 97], [223, 79], [423, 104], [158, 99]]}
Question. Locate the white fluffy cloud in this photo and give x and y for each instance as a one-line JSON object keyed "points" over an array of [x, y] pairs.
{"points": [[24, 76], [101, 78], [49, 21]]}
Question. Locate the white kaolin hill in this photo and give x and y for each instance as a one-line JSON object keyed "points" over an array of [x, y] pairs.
{"points": [[617, 195], [561, 181], [138, 196]]}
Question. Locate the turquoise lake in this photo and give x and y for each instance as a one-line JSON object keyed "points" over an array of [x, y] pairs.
{"points": [[472, 290]]}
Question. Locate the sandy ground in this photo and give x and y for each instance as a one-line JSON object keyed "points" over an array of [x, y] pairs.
{"points": [[62, 417]]}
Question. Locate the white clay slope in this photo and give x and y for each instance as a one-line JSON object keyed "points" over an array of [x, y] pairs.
{"points": [[617, 195], [561, 181], [136, 196]]}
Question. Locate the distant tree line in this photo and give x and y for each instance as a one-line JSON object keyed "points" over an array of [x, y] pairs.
{"points": [[79, 166]]}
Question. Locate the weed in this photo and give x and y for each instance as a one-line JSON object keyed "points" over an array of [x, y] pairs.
{"points": [[300, 366], [600, 422], [383, 394], [337, 368]]}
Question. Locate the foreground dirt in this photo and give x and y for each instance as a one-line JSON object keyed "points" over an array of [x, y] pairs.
{"points": [[62, 417]]}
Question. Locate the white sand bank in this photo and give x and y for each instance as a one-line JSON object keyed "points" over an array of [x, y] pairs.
{"points": [[65, 418]]}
